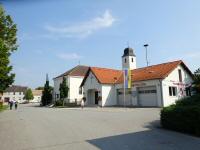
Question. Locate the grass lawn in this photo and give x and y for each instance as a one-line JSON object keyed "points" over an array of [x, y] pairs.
{"points": [[4, 107]]}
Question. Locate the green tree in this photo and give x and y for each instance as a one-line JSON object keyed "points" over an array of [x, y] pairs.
{"points": [[8, 40], [28, 95], [197, 79], [46, 93], [63, 90]]}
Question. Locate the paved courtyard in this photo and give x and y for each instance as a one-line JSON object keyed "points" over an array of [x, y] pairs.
{"points": [[35, 128]]}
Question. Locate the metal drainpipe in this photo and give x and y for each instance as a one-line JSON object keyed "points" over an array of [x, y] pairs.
{"points": [[162, 103]]}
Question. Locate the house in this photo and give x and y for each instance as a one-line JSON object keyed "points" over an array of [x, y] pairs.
{"points": [[14, 92], [74, 78], [37, 96], [153, 86]]}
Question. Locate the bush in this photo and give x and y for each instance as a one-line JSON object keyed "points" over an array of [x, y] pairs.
{"points": [[59, 103], [1, 105], [184, 116], [66, 104]]}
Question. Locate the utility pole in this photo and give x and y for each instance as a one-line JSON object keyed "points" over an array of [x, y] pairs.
{"points": [[146, 45]]}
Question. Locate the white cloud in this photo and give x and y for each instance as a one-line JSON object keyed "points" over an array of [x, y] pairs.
{"points": [[69, 56], [82, 29]]}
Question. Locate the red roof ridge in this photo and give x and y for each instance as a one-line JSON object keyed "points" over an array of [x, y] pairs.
{"points": [[180, 61], [102, 68]]}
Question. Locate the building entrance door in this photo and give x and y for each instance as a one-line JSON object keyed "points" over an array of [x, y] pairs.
{"points": [[96, 97]]}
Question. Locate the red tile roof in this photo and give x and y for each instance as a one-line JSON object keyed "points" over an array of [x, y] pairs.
{"points": [[112, 76], [159, 71], [106, 76]]}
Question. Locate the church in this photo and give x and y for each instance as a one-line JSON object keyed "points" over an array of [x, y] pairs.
{"points": [[152, 86]]}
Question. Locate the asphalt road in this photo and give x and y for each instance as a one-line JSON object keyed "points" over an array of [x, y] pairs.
{"points": [[35, 128]]}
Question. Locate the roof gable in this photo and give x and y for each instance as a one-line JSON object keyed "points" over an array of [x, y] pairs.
{"points": [[76, 71], [104, 75], [112, 76]]}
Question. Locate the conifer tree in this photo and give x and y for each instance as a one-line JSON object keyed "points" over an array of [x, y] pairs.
{"points": [[63, 90], [46, 93]]}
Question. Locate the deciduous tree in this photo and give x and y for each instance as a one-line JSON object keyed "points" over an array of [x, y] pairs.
{"points": [[8, 40], [197, 79], [28, 95]]}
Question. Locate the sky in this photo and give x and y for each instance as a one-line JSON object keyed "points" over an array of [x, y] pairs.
{"points": [[56, 35]]}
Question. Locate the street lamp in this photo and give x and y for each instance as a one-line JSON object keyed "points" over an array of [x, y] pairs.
{"points": [[146, 45]]}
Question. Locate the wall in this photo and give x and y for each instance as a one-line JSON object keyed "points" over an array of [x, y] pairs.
{"points": [[36, 99], [147, 83], [74, 84], [171, 80], [109, 95], [91, 83], [144, 84], [56, 91]]}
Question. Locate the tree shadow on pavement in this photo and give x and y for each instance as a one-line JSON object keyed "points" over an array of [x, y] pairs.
{"points": [[153, 138]]}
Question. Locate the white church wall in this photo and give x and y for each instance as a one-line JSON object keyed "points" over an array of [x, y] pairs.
{"points": [[74, 85]]}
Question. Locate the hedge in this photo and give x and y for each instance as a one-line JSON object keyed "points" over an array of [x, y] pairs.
{"points": [[3, 107], [183, 116], [59, 103]]}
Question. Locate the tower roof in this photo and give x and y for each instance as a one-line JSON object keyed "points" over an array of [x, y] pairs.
{"points": [[128, 52]]}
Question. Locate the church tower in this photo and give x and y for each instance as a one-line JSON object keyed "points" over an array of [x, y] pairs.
{"points": [[128, 59]]}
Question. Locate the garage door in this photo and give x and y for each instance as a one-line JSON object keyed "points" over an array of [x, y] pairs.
{"points": [[120, 97], [147, 96]]}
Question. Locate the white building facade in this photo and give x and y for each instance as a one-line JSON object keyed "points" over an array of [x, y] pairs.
{"points": [[37, 96], [74, 78], [14, 93], [154, 86]]}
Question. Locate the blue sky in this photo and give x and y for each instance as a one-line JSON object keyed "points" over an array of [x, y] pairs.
{"points": [[54, 35]]}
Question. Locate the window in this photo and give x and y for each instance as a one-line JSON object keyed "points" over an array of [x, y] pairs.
{"points": [[125, 60], [13, 93], [57, 95], [172, 91], [80, 90], [147, 91], [132, 59], [19, 93], [180, 75], [188, 91]]}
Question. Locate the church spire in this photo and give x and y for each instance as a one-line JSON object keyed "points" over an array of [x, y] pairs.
{"points": [[47, 77]]}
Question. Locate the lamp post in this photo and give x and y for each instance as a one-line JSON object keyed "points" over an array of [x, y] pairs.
{"points": [[146, 45]]}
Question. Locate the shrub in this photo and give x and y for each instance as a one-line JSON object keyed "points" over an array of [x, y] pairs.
{"points": [[1, 105], [184, 116], [66, 104], [59, 103]]}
